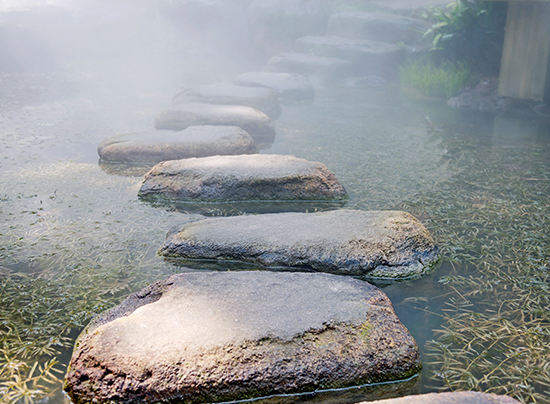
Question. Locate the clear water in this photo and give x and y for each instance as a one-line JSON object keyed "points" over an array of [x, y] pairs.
{"points": [[75, 240]]}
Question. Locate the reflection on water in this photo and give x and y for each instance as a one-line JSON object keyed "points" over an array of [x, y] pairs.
{"points": [[75, 239]]}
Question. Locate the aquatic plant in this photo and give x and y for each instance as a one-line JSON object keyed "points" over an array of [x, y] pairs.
{"points": [[470, 32], [63, 268], [493, 224], [444, 81]]}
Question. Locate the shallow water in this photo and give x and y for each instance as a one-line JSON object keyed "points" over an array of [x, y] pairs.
{"points": [[75, 239]]}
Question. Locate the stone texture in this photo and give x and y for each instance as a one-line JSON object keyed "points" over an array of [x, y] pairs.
{"points": [[318, 68], [222, 336], [255, 122], [288, 87], [462, 397], [262, 99], [367, 57], [484, 97], [374, 244], [256, 178], [157, 146], [382, 27]]}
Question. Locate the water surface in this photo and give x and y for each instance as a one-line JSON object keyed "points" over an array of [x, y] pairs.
{"points": [[75, 240]]}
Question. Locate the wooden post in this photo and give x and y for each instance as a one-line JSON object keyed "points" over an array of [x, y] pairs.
{"points": [[524, 71]]}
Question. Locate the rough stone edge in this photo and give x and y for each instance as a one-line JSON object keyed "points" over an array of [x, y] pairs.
{"points": [[460, 397], [335, 198], [422, 266], [408, 369]]}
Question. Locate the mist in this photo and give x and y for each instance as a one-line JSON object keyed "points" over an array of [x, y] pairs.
{"points": [[310, 136], [124, 48]]}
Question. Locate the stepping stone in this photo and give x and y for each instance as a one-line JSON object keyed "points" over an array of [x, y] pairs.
{"points": [[317, 67], [368, 57], [262, 99], [382, 27], [157, 146], [288, 87], [255, 122], [225, 336], [259, 178], [459, 397], [375, 244]]}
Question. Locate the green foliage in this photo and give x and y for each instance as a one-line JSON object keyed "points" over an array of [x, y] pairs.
{"points": [[441, 82], [471, 32]]}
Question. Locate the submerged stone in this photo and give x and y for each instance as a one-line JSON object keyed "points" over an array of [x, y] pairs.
{"points": [[255, 122], [288, 87], [321, 68], [223, 336], [252, 178], [368, 57], [390, 28], [157, 146], [262, 99], [458, 397], [374, 244]]}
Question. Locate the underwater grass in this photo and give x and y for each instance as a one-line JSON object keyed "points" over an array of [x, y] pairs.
{"points": [[69, 253], [444, 81], [492, 221], [75, 241]]}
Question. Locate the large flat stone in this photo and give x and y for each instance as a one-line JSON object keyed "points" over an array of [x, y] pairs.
{"points": [[374, 244], [157, 146], [262, 99], [255, 122], [223, 336], [367, 57], [459, 397], [251, 178], [383, 27], [288, 87], [318, 68]]}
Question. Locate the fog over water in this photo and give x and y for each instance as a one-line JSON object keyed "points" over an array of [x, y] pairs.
{"points": [[75, 240]]}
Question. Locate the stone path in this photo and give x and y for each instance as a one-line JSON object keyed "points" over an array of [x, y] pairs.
{"points": [[157, 146], [262, 99], [288, 87], [253, 178], [182, 116], [223, 336], [463, 397], [375, 244]]}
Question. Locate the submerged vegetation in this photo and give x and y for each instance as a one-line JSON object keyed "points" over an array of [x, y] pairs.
{"points": [[493, 223], [444, 81]]}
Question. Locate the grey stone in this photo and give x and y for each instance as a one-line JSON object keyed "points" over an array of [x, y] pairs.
{"points": [[288, 87], [262, 99], [368, 57], [157, 146], [460, 397], [484, 97], [254, 178], [319, 68], [223, 336], [374, 244], [383, 27], [255, 122]]}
